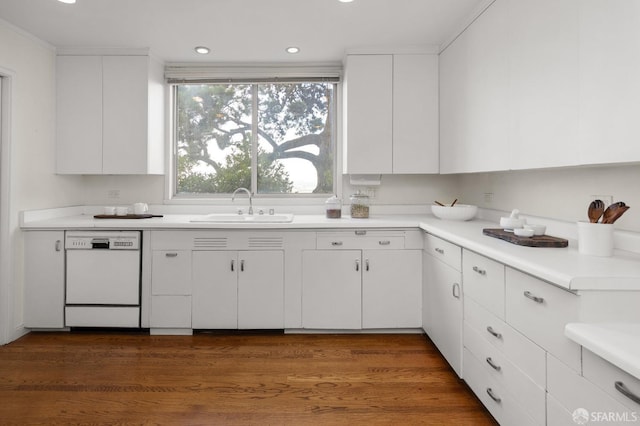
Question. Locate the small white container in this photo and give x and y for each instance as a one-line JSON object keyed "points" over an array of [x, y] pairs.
{"points": [[537, 229], [523, 232], [140, 208], [109, 210], [595, 239], [460, 212], [122, 211]]}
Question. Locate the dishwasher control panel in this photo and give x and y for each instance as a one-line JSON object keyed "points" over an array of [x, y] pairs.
{"points": [[107, 240]]}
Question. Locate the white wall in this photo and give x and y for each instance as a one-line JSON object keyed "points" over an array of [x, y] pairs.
{"points": [[557, 193], [33, 184]]}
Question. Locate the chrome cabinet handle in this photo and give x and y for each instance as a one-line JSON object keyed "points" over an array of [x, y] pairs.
{"points": [[384, 242], [493, 365], [439, 250], [536, 299], [360, 232], [233, 265], [620, 387], [453, 290], [58, 245], [494, 333], [493, 396], [357, 265], [366, 265], [171, 254], [480, 271], [242, 265], [336, 243]]}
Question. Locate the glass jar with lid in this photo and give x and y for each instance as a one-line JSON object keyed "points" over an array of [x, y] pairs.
{"points": [[359, 205], [333, 207]]}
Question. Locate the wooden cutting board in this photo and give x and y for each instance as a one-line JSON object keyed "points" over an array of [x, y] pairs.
{"points": [[535, 241], [126, 216]]}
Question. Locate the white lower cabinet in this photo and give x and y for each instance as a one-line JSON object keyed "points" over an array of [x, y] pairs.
{"points": [[354, 289], [170, 289], [620, 385], [44, 279], [442, 299], [238, 289]]}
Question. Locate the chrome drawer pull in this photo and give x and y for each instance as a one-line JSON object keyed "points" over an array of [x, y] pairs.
{"points": [[233, 266], [455, 293], [536, 299], [620, 387], [384, 242], [480, 271], [357, 265], [493, 396], [58, 245], [492, 364], [171, 254], [494, 333], [366, 265], [360, 232], [336, 243], [242, 266], [439, 250]]}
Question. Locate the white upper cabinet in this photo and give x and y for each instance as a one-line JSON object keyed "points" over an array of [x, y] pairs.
{"points": [[415, 114], [391, 114], [474, 90], [109, 115], [609, 83], [543, 98]]}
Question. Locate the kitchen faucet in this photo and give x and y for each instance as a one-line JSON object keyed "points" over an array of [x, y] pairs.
{"points": [[248, 193]]}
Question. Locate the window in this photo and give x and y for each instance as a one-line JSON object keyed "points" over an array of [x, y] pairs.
{"points": [[271, 137]]}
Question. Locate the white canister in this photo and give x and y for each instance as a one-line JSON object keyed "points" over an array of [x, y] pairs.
{"points": [[122, 211], [109, 210], [595, 239], [140, 208]]}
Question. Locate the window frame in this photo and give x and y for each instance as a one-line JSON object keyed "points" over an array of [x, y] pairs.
{"points": [[333, 77]]}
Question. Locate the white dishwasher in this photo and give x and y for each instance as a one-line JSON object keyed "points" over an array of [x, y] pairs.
{"points": [[102, 279]]}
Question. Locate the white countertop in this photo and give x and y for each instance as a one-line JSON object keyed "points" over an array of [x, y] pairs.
{"points": [[617, 343], [564, 267]]}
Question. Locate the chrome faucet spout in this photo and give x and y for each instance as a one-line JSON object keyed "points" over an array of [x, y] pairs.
{"points": [[248, 194]]}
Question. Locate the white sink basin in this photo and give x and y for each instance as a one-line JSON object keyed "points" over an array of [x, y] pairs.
{"points": [[243, 218]]}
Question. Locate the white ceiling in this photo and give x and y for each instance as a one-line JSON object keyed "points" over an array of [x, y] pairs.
{"points": [[242, 30]]}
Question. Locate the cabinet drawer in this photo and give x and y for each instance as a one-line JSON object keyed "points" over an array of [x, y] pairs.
{"points": [[493, 395], [609, 378], [540, 311], [449, 253], [496, 364], [573, 391], [360, 240], [528, 356], [171, 272], [483, 280]]}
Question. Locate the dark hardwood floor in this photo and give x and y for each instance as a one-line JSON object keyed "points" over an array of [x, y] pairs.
{"points": [[231, 379]]}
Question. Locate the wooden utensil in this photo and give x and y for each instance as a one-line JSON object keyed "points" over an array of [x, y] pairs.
{"points": [[614, 211], [439, 203], [454, 202], [595, 210]]}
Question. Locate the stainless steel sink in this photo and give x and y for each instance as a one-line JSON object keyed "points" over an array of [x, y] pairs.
{"points": [[244, 218]]}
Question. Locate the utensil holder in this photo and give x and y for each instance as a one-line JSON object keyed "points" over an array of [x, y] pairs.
{"points": [[595, 239]]}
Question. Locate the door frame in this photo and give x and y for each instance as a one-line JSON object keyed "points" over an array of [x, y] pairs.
{"points": [[6, 256]]}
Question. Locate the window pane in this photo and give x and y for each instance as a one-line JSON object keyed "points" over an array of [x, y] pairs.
{"points": [[213, 131], [295, 143]]}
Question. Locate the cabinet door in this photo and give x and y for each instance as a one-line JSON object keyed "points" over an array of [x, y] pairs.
{"points": [[44, 279], [474, 90], [215, 289], [261, 290], [443, 304], [368, 123], [609, 55], [543, 79], [125, 118], [79, 114], [415, 114], [171, 272], [331, 289], [391, 289]]}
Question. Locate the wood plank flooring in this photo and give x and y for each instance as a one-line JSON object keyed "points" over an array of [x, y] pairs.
{"points": [[231, 379]]}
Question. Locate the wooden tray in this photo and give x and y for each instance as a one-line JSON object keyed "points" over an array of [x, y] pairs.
{"points": [[535, 241], [126, 216]]}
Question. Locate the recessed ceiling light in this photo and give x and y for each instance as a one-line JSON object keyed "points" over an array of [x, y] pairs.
{"points": [[345, 1], [293, 49], [203, 50], [67, 1]]}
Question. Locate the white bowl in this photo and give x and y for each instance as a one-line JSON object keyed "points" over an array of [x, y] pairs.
{"points": [[456, 212], [512, 222], [523, 232], [537, 229]]}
